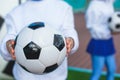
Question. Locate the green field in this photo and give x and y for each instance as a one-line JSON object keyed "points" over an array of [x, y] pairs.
{"points": [[74, 75], [77, 74]]}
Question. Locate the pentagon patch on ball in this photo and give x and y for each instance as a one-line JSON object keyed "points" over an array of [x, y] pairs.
{"points": [[39, 48]]}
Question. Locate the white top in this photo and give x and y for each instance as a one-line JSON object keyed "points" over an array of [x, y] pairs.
{"points": [[97, 16], [56, 13]]}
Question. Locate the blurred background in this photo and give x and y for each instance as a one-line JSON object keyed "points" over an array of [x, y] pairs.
{"points": [[79, 63]]}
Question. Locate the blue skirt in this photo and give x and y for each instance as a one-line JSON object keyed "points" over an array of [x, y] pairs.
{"points": [[101, 47]]}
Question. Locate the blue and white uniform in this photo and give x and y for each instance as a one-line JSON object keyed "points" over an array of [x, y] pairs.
{"points": [[55, 13], [101, 46]]}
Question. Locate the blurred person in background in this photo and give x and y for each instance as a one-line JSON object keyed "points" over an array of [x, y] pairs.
{"points": [[101, 46]]}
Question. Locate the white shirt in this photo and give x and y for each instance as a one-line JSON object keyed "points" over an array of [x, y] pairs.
{"points": [[97, 16], [56, 13]]}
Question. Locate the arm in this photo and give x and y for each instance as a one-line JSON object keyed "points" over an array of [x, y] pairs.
{"points": [[5, 48], [69, 31], [92, 22]]}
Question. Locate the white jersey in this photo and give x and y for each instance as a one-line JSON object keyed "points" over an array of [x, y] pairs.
{"points": [[97, 16], [56, 13]]}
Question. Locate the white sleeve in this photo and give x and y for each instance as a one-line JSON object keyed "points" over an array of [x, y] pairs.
{"points": [[92, 22], [68, 28], [95, 20], [9, 35]]}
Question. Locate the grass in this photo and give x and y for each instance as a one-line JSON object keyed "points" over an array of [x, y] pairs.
{"points": [[77, 75]]}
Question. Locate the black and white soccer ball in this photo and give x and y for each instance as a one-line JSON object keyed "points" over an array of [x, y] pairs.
{"points": [[114, 22], [39, 48]]}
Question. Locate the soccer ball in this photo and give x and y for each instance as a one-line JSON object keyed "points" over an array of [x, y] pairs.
{"points": [[39, 48], [114, 22]]}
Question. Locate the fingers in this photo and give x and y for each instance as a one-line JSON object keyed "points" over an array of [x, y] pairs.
{"points": [[11, 51], [69, 44], [10, 48]]}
